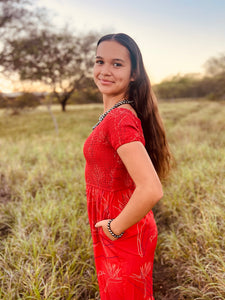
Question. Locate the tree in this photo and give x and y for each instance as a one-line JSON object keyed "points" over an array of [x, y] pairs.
{"points": [[60, 60], [17, 17], [179, 87], [215, 72], [215, 65], [210, 85], [11, 13], [30, 50]]}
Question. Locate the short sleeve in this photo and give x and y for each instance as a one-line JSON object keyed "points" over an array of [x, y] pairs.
{"points": [[123, 127]]}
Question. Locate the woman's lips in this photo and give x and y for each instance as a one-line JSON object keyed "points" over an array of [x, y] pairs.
{"points": [[106, 82]]}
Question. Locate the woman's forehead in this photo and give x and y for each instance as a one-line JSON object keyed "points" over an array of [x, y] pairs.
{"points": [[112, 49]]}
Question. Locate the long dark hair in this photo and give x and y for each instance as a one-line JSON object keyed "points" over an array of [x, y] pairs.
{"points": [[146, 106]]}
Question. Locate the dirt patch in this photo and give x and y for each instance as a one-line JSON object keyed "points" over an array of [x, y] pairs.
{"points": [[164, 276], [6, 220], [164, 282], [5, 193]]}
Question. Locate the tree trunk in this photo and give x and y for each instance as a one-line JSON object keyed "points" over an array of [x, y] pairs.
{"points": [[65, 97], [63, 103]]}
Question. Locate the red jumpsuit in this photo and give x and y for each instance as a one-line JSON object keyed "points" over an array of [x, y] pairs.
{"points": [[124, 266]]}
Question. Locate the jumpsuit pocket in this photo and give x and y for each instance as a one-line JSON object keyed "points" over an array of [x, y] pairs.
{"points": [[104, 236], [129, 233]]}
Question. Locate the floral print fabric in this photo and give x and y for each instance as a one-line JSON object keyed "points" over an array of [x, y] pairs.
{"points": [[124, 266]]}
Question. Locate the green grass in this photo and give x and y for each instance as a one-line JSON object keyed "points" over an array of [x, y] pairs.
{"points": [[45, 243]]}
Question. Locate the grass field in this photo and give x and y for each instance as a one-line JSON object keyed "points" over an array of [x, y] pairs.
{"points": [[45, 243]]}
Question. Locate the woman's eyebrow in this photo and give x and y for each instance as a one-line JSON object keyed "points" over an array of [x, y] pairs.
{"points": [[118, 59], [114, 59]]}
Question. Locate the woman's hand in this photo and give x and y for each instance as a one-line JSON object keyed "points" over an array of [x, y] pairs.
{"points": [[104, 224]]}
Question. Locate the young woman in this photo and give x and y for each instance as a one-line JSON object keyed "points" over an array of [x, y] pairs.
{"points": [[126, 156]]}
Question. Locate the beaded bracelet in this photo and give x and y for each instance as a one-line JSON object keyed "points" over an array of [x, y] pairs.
{"points": [[112, 233]]}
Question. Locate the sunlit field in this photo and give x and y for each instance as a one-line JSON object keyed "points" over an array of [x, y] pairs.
{"points": [[45, 242]]}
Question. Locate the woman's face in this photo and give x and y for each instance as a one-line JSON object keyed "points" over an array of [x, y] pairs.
{"points": [[112, 69]]}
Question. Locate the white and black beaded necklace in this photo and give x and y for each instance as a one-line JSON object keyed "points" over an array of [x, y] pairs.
{"points": [[115, 106]]}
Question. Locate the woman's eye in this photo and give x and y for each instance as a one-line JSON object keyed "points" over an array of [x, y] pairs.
{"points": [[117, 64], [99, 62]]}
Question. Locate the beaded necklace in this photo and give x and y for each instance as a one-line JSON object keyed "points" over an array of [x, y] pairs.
{"points": [[108, 111]]}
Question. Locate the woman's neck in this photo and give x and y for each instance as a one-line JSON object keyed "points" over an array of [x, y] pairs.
{"points": [[109, 102]]}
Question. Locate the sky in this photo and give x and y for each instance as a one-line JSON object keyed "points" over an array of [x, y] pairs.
{"points": [[174, 36]]}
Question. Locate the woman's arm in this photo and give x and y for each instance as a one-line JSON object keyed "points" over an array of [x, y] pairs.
{"points": [[148, 189]]}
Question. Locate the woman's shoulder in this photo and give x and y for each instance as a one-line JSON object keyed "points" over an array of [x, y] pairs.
{"points": [[123, 126], [121, 113], [122, 119]]}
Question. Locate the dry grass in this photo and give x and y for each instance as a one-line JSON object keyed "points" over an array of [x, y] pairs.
{"points": [[45, 243]]}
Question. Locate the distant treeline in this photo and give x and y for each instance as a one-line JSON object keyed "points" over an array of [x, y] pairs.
{"points": [[211, 85], [191, 86], [186, 86], [29, 100]]}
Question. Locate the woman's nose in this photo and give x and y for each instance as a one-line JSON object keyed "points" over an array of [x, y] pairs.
{"points": [[105, 70]]}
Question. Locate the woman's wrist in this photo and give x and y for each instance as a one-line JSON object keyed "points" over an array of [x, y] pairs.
{"points": [[111, 230], [116, 227]]}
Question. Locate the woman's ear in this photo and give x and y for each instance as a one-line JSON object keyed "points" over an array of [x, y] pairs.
{"points": [[133, 77]]}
